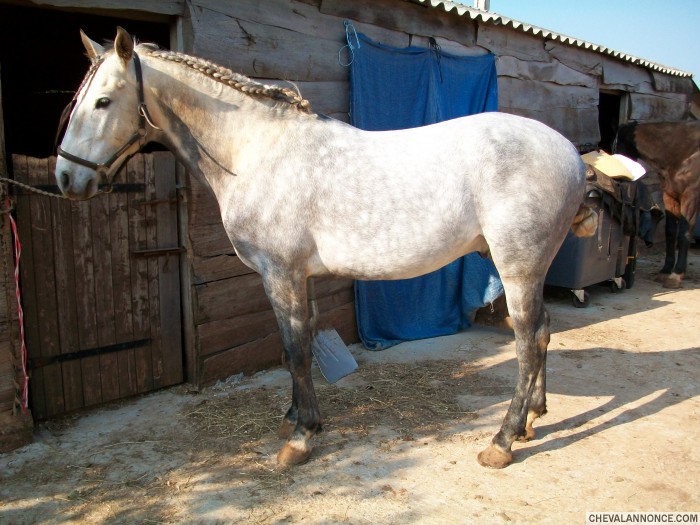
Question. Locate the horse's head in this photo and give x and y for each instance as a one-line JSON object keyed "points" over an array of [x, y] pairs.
{"points": [[108, 121]]}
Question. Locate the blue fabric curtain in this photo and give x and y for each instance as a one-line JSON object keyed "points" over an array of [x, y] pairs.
{"points": [[395, 88]]}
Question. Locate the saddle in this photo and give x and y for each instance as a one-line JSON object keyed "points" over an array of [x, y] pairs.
{"points": [[620, 187]]}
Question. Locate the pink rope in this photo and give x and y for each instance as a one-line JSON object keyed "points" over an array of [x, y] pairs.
{"points": [[24, 386]]}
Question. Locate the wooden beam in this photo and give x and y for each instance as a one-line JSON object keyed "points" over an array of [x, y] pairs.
{"points": [[162, 7]]}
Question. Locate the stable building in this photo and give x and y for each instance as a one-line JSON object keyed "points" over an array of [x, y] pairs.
{"points": [[141, 289]]}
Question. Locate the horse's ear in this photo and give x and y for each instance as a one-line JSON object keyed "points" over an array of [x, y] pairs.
{"points": [[124, 45], [93, 49]]}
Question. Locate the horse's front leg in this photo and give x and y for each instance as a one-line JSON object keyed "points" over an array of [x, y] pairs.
{"points": [[682, 244], [288, 295], [531, 326]]}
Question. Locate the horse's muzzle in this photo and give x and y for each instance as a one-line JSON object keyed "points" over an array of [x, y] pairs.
{"points": [[74, 188]]}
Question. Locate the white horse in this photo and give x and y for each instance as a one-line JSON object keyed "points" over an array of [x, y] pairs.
{"points": [[303, 195]]}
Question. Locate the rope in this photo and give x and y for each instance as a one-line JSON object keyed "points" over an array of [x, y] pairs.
{"points": [[33, 189], [350, 35], [23, 387]]}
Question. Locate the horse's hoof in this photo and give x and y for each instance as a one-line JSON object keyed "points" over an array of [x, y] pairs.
{"points": [[286, 429], [494, 457], [661, 277], [293, 452], [673, 281]]}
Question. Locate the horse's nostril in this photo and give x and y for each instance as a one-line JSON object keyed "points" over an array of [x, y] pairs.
{"points": [[65, 179]]}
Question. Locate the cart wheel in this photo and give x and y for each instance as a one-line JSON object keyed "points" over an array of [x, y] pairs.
{"points": [[616, 287], [578, 303]]}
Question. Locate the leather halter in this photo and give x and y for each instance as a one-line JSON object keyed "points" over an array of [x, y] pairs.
{"points": [[139, 135]]}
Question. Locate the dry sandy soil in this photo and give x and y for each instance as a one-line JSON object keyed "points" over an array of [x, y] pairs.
{"points": [[402, 433]]}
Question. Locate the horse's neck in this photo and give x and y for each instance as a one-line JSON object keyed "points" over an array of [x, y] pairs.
{"points": [[211, 128]]}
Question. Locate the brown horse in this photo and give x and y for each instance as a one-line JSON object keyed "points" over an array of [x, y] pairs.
{"points": [[672, 149]]}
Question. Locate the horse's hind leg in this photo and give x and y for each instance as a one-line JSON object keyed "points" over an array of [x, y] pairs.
{"points": [[682, 243], [538, 400], [531, 326], [288, 296], [671, 233]]}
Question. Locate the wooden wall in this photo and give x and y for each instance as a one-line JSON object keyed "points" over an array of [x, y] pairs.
{"points": [[229, 325], [299, 40]]}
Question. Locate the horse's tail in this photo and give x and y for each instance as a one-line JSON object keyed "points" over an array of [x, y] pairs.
{"points": [[585, 222]]}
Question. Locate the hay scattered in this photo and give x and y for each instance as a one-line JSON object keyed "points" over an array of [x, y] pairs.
{"points": [[244, 414], [412, 399]]}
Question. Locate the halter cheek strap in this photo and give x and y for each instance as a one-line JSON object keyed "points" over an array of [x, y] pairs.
{"points": [[139, 135]]}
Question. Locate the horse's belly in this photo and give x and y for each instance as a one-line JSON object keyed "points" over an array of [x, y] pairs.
{"points": [[379, 256]]}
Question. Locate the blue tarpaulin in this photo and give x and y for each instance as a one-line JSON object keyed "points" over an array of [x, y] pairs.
{"points": [[395, 88]]}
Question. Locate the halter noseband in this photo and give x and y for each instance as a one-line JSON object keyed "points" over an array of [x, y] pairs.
{"points": [[138, 136]]}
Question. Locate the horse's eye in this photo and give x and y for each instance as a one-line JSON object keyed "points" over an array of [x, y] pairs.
{"points": [[102, 102]]}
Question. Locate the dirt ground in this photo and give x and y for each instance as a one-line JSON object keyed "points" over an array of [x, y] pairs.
{"points": [[402, 433]]}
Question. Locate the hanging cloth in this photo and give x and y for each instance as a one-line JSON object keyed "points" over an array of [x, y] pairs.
{"points": [[393, 88]]}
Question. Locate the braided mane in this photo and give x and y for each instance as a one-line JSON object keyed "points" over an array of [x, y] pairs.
{"points": [[242, 83]]}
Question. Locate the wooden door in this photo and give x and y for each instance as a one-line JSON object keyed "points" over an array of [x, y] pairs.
{"points": [[100, 286]]}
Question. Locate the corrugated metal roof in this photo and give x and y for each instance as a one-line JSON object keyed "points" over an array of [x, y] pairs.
{"points": [[496, 19]]}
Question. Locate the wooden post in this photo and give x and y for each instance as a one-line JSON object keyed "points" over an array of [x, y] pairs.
{"points": [[15, 426]]}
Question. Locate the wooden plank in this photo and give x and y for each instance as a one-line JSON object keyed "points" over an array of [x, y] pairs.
{"points": [[342, 319], [45, 295], [207, 269], [326, 286], [229, 298], [580, 126], [163, 7], [536, 95], [29, 301], [141, 325], [204, 208], [622, 75], [339, 298], [83, 254], [189, 346], [505, 41], [571, 110], [100, 217], [670, 106], [67, 313], [123, 302], [247, 358], [210, 240], [169, 268], [671, 84], [403, 17], [386, 21], [582, 60], [300, 17], [294, 41], [7, 378], [155, 320], [223, 334], [555, 72], [264, 51]]}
